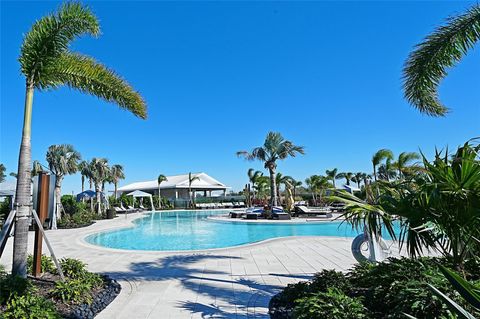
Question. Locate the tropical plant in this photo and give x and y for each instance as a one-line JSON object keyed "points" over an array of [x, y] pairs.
{"points": [[274, 148], [99, 173], [47, 63], [317, 184], [295, 184], [116, 174], [378, 157], [62, 160], [253, 176], [386, 171], [332, 175], [437, 209], [191, 179], [358, 178], [36, 168], [402, 163], [84, 172], [160, 179], [347, 175], [2, 173], [279, 180], [426, 66]]}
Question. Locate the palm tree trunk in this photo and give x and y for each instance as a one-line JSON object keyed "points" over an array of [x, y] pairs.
{"points": [[115, 185], [23, 191], [58, 196], [159, 198], [375, 172], [273, 187], [83, 183], [99, 198], [333, 180]]}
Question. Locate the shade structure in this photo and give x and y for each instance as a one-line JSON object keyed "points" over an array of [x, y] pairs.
{"points": [[138, 193], [86, 194]]}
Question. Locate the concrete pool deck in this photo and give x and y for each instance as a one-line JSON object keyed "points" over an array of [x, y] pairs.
{"points": [[235, 282]]}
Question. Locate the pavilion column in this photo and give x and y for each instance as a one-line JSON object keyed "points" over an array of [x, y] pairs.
{"points": [[204, 193], [209, 193], [176, 194], [224, 192]]}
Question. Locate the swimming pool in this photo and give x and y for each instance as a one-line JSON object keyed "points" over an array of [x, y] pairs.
{"points": [[192, 230]]}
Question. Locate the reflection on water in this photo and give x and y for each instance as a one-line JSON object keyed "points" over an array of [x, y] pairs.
{"points": [[189, 230]]}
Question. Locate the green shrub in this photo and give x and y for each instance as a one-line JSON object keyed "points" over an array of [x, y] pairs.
{"points": [[11, 285], [4, 209], [329, 279], [293, 292], [330, 304], [46, 262], [94, 280], [73, 291], [79, 219], [30, 307], [73, 268], [400, 285]]}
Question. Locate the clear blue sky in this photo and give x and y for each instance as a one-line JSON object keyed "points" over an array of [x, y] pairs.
{"points": [[218, 76]]}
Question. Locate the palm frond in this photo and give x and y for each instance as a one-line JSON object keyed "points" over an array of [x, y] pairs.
{"points": [[426, 66], [86, 75], [50, 36]]}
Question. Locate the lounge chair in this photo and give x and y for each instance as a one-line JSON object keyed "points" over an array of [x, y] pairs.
{"points": [[279, 213], [237, 214], [303, 210], [253, 212], [131, 209], [142, 207], [119, 210]]}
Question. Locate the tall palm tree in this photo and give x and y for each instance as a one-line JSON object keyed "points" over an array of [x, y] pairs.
{"points": [[117, 173], [47, 63], [279, 180], [274, 148], [347, 175], [2, 173], [253, 176], [99, 173], [160, 179], [426, 66], [84, 172], [332, 175], [379, 157], [358, 178], [62, 160], [403, 160], [295, 184], [191, 179]]}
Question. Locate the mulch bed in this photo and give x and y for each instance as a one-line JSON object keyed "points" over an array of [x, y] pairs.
{"points": [[102, 297]]}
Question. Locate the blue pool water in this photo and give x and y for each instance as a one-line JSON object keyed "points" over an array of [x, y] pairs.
{"points": [[191, 230]]}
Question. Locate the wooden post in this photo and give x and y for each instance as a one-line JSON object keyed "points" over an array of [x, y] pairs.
{"points": [[42, 206]]}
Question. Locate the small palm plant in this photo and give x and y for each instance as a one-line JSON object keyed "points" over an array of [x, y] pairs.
{"points": [[117, 174], [47, 63], [273, 149], [279, 180], [426, 66], [160, 179], [62, 160]]}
